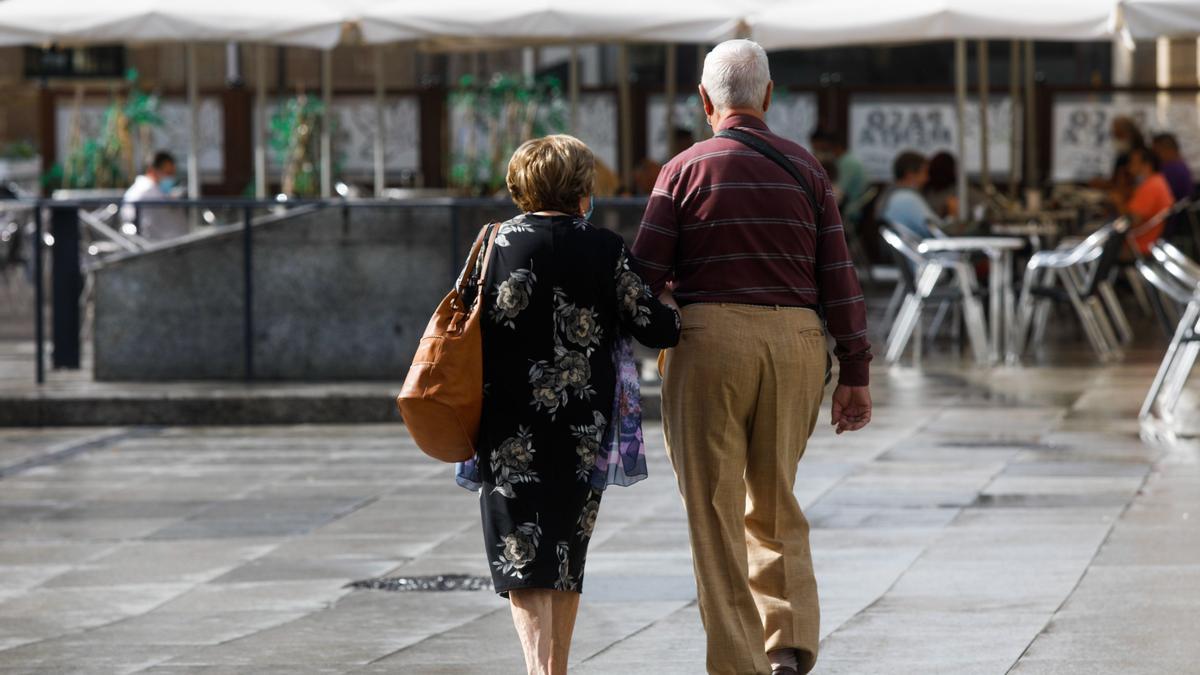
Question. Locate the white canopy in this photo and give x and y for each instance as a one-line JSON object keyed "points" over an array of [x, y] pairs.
{"points": [[547, 21], [1145, 19], [819, 23], [305, 23]]}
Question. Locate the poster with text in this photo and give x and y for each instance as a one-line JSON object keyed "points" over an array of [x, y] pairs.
{"points": [[881, 127], [1082, 147]]}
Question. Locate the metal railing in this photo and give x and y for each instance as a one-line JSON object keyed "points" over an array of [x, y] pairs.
{"points": [[68, 217]]}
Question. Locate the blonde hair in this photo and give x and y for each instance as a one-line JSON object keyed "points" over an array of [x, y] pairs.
{"points": [[551, 174]]}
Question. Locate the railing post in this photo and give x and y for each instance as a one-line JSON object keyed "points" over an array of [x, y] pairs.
{"points": [[39, 300], [66, 286], [248, 288]]}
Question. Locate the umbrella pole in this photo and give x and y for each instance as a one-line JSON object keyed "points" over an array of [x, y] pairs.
{"points": [[670, 94], [193, 99], [1031, 178], [380, 124], [573, 84], [326, 124], [960, 93], [702, 130], [260, 121], [985, 173], [626, 115], [1014, 109]]}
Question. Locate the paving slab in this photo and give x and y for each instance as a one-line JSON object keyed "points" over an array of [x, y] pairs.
{"points": [[988, 521]]}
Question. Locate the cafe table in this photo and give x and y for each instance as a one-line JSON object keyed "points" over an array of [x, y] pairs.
{"points": [[1001, 303]]}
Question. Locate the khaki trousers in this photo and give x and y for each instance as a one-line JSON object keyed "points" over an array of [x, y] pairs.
{"points": [[740, 399]]}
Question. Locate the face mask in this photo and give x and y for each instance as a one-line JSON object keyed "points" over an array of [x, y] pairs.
{"points": [[587, 215], [166, 184]]}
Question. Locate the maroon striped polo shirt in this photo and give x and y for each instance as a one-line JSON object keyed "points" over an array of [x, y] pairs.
{"points": [[729, 225]]}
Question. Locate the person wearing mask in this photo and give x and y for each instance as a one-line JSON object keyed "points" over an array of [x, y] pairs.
{"points": [[904, 205], [560, 304], [156, 223], [1150, 195], [851, 180], [1172, 165]]}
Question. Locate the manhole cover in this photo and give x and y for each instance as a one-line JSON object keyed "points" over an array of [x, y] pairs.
{"points": [[436, 582]]}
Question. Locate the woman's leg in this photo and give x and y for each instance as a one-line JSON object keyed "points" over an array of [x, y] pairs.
{"points": [[545, 621]]}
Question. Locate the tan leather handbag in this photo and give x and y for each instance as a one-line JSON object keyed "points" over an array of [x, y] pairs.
{"points": [[442, 398]]}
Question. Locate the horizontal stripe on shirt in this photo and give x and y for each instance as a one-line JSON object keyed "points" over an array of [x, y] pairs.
{"points": [[727, 224]]}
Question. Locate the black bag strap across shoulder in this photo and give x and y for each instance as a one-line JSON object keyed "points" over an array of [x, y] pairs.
{"points": [[767, 150]]}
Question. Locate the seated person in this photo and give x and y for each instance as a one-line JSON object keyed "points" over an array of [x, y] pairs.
{"points": [[1149, 196], [903, 205], [1172, 165], [850, 178]]}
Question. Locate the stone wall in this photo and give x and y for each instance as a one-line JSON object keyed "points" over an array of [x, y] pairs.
{"points": [[338, 294]]}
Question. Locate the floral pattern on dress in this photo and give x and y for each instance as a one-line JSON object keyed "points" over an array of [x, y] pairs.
{"points": [[510, 463], [566, 581], [587, 518], [553, 383], [579, 326], [588, 439], [518, 550], [513, 296], [556, 425], [514, 226], [631, 294]]}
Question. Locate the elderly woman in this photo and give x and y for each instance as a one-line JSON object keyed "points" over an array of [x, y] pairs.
{"points": [[558, 299]]}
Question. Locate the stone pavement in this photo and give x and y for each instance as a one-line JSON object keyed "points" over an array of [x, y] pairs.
{"points": [[986, 522]]}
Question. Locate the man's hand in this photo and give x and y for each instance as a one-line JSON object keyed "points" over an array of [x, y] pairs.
{"points": [[851, 408]]}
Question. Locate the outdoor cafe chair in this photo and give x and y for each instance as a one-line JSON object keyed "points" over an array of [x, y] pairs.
{"points": [[1182, 284], [1079, 276], [854, 242], [920, 275]]}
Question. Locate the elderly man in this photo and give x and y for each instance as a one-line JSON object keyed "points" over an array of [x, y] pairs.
{"points": [[747, 231]]}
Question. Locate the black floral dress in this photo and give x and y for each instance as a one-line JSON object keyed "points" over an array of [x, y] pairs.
{"points": [[557, 294]]}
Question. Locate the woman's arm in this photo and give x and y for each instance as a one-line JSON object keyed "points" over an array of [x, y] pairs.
{"points": [[646, 318]]}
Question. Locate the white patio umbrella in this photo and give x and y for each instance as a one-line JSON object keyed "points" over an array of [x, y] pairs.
{"points": [[550, 21], [469, 24], [304, 23], [1145, 19], [815, 23]]}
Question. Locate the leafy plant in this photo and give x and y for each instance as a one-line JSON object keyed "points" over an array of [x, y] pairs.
{"points": [[18, 150], [106, 160], [493, 119], [295, 138]]}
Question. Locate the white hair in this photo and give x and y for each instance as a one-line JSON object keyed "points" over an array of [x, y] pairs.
{"points": [[736, 75]]}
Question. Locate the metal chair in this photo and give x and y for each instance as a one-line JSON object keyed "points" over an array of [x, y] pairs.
{"points": [[858, 252], [1082, 274], [920, 275], [1181, 354]]}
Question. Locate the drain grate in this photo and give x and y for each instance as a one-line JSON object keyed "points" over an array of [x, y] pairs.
{"points": [[434, 583]]}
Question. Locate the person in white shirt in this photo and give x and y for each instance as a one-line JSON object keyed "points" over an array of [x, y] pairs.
{"points": [[155, 223]]}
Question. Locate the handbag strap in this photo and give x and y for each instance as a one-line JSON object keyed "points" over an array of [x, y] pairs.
{"points": [[472, 273], [767, 150], [475, 271]]}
